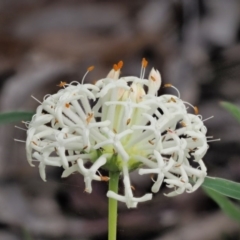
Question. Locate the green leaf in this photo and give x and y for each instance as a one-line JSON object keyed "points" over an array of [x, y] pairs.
{"points": [[9, 117], [229, 208], [233, 109], [223, 186]]}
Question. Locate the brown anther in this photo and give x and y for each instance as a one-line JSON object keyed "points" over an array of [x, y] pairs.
{"points": [[56, 121], [74, 132], [172, 99], [173, 155], [34, 143], [67, 105], [115, 67], [104, 178], [131, 89], [182, 181], [133, 188], [128, 121], [150, 141], [89, 117], [120, 64], [163, 138], [114, 130], [144, 63], [153, 78], [178, 165], [61, 84], [51, 106], [183, 124], [85, 147], [66, 135], [196, 110], [167, 85], [90, 68], [194, 139]]}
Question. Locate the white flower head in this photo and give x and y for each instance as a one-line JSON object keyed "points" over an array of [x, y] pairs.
{"points": [[120, 124]]}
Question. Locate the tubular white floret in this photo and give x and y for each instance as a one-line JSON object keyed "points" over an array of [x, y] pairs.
{"points": [[154, 82], [121, 118]]}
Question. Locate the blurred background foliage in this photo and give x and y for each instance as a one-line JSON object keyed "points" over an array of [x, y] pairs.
{"points": [[195, 45]]}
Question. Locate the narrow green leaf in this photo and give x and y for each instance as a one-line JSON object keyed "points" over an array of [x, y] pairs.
{"points": [[9, 117], [233, 109], [223, 186], [229, 208]]}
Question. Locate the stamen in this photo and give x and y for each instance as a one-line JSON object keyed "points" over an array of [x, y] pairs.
{"points": [[208, 118], [89, 69], [196, 110], [193, 107], [62, 84], [170, 85], [143, 68], [18, 140], [144, 63], [104, 178], [115, 67], [214, 140], [36, 99], [120, 64], [26, 123], [20, 128]]}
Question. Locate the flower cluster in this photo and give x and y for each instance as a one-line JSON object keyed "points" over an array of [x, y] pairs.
{"points": [[120, 124]]}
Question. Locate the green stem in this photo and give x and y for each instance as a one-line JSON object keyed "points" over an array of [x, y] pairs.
{"points": [[112, 206]]}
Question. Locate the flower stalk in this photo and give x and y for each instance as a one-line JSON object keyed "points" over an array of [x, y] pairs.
{"points": [[112, 206]]}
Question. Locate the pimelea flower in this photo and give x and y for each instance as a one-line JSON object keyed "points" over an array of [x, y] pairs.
{"points": [[120, 124]]}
